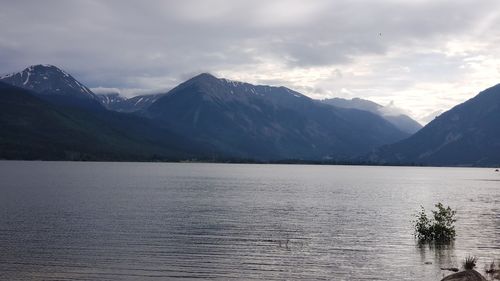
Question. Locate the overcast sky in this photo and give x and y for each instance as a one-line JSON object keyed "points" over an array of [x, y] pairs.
{"points": [[423, 56]]}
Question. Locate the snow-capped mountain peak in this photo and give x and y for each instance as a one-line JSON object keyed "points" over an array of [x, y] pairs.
{"points": [[48, 79]]}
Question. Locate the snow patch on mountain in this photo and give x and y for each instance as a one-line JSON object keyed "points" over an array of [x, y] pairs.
{"points": [[49, 80]]}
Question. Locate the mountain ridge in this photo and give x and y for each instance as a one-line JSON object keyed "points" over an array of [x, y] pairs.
{"points": [[468, 135], [116, 102]]}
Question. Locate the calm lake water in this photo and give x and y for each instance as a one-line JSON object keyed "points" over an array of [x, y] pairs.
{"points": [[158, 221]]}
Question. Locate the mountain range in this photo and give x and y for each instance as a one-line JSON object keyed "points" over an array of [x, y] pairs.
{"points": [[265, 122], [45, 113]]}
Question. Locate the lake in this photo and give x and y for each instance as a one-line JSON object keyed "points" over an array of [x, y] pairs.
{"points": [[166, 221]]}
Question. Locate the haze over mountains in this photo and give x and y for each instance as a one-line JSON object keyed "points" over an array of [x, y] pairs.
{"points": [[47, 114], [466, 135], [401, 121]]}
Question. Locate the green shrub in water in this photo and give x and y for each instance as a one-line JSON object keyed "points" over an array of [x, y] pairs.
{"points": [[439, 228]]}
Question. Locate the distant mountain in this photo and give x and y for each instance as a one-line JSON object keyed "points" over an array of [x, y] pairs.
{"points": [[116, 102], [466, 135], [241, 120], [356, 103], [54, 85], [110, 100], [32, 128], [401, 121]]}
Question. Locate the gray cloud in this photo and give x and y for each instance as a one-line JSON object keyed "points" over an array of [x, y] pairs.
{"points": [[416, 53]]}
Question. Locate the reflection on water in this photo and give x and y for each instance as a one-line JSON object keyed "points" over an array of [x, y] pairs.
{"points": [[145, 221], [443, 255]]}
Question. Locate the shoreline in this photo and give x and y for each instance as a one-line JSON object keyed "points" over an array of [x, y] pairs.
{"points": [[259, 162]]}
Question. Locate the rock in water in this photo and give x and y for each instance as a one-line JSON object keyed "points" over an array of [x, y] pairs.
{"points": [[454, 269], [468, 275]]}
